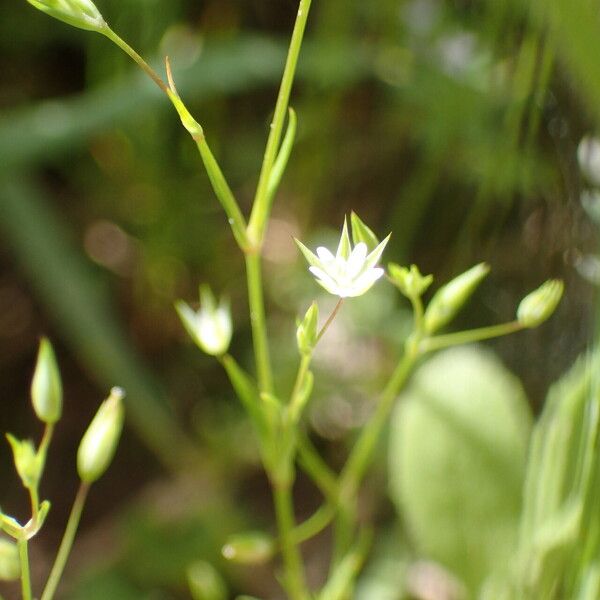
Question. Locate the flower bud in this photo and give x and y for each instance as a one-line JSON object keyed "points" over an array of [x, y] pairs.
{"points": [[210, 327], [27, 462], [250, 548], [10, 566], [449, 299], [78, 13], [409, 281], [46, 386], [538, 306], [205, 582], [99, 442], [306, 334]]}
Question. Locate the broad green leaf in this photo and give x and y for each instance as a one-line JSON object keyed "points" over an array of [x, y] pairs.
{"points": [[457, 461]]}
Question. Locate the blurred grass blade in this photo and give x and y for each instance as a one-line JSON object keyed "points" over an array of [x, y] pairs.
{"points": [[225, 68], [82, 312]]}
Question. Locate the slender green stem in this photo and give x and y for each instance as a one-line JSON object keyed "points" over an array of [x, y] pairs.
{"points": [[329, 321], [46, 439], [25, 574], [258, 323], [66, 543], [360, 455], [362, 452], [418, 312], [261, 207], [34, 498], [312, 463], [113, 37], [294, 572], [315, 523], [296, 397], [473, 335]]}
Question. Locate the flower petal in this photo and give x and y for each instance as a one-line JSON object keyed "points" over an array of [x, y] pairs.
{"points": [[365, 282], [328, 282], [357, 260], [324, 254]]}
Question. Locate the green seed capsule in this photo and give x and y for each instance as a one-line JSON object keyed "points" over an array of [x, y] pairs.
{"points": [[449, 299], [46, 385], [205, 582], [99, 442], [540, 304], [249, 548]]}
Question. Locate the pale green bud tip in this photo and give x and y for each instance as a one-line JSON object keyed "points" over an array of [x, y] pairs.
{"points": [[409, 281], [250, 548], [306, 334], [538, 306], [99, 442], [210, 327], [78, 13], [205, 582], [46, 386], [449, 299], [10, 566]]}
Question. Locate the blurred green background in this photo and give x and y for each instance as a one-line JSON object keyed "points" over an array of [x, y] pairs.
{"points": [[455, 124]]}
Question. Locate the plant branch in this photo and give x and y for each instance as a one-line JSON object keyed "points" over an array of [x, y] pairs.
{"points": [[66, 543], [261, 207]]}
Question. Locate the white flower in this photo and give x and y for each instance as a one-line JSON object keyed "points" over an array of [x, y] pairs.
{"points": [[351, 272], [210, 327]]}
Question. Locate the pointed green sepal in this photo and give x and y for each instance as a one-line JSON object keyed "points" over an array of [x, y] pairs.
{"points": [[345, 247], [362, 233]]}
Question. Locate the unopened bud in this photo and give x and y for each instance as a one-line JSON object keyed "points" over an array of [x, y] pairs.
{"points": [[27, 462], [249, 548], [205, 582], [409, 281], [46, 386], [210, 327], [10, 566], [538, 306], [99, 442], [449, 299], [78, 13], [306, 334]]}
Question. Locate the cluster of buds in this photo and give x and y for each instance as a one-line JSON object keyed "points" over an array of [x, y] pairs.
{"points": [[95, 451]]}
